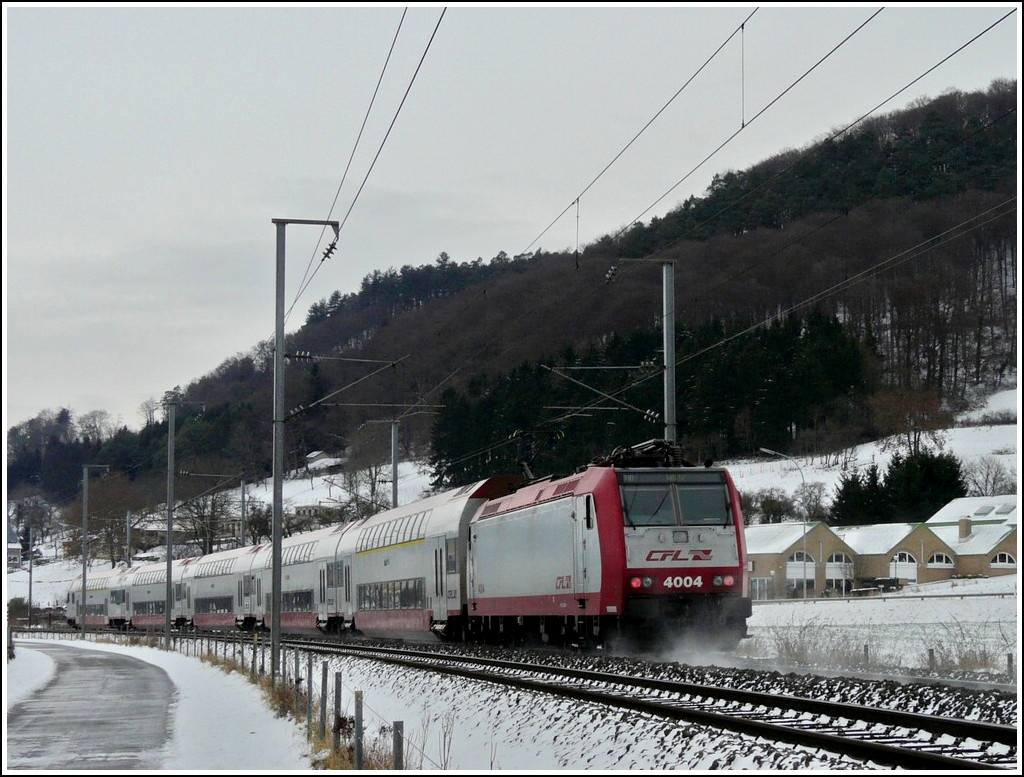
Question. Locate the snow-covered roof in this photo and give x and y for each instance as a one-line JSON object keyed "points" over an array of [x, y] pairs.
{"points": [[875, 538], [998, 510], [773, 537], [982, 539]]}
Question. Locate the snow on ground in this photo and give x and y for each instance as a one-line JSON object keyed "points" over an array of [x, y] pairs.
{"points": [[451, 724], [970, 444], [950, 618], [30, 671], [497, 731], [209, 731]]}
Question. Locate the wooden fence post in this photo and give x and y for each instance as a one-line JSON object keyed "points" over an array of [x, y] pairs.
{"points": [[337, 712], [398, 727], [323, 702], [359, 730], [309, 697]]}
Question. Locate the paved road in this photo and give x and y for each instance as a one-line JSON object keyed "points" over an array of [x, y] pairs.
{"points": [[102, 711]]}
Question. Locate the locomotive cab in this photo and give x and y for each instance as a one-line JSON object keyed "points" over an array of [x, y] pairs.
{"points": [[685, 572]]}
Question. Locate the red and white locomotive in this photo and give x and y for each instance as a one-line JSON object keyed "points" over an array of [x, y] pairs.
{"points": [[635, 546], [641, 546]]}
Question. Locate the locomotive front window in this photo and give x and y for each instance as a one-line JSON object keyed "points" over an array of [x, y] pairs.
{"points": [[704, 505], [648, 505], [698, 497]]}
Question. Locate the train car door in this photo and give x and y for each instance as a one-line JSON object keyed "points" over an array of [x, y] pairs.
{"points": [[452, 576], [250, 597], [325, 603], [436, 593], [584, 545]]}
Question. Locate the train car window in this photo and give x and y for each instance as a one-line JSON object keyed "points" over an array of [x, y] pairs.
{"points": [[452, 558], [297, 601], [148, 608], [213, 604]]}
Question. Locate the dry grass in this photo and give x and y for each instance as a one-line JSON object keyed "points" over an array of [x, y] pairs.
{"points": [[945, 647]]}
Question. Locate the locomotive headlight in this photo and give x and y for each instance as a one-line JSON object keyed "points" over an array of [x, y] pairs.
{"points": [[636, 583], [717, 580], [648, 582]]}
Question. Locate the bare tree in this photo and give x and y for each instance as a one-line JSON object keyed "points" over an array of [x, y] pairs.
{"points": [[989, 477], [148, 410], [771, 505], [811, 501], [96, 425], [258, 522], [910, 420], [204, 518]]}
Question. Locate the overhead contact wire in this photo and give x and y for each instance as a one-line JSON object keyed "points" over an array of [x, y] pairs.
{"points": [[355, 146], [641, 132], [387, 134]]}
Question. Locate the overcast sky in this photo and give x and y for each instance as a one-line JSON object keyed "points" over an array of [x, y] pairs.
{"points": [[147, 150]]}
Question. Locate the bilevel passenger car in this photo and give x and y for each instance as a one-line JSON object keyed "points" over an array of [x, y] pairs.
{"points": [[639, 546]]}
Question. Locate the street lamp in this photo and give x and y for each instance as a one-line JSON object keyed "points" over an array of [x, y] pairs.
{"points": [[85, 531], [803, 515]]}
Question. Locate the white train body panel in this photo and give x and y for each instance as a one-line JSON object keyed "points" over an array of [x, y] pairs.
{"points": [[212, 588], [538, 552], [98, 585], [500, 569], [410, 563], [147, 592], [337, 549], [304, 595], [118, 603]]}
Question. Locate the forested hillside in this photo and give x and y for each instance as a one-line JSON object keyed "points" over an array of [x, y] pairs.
{"points": [[826, 296]]}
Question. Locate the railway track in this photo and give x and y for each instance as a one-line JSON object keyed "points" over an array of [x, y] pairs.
{"points": [[882, 737], [871, 735]]}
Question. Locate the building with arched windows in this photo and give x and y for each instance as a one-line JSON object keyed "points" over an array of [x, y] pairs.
{"points": [[896, 551], [787, 561], [970, 537]]}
